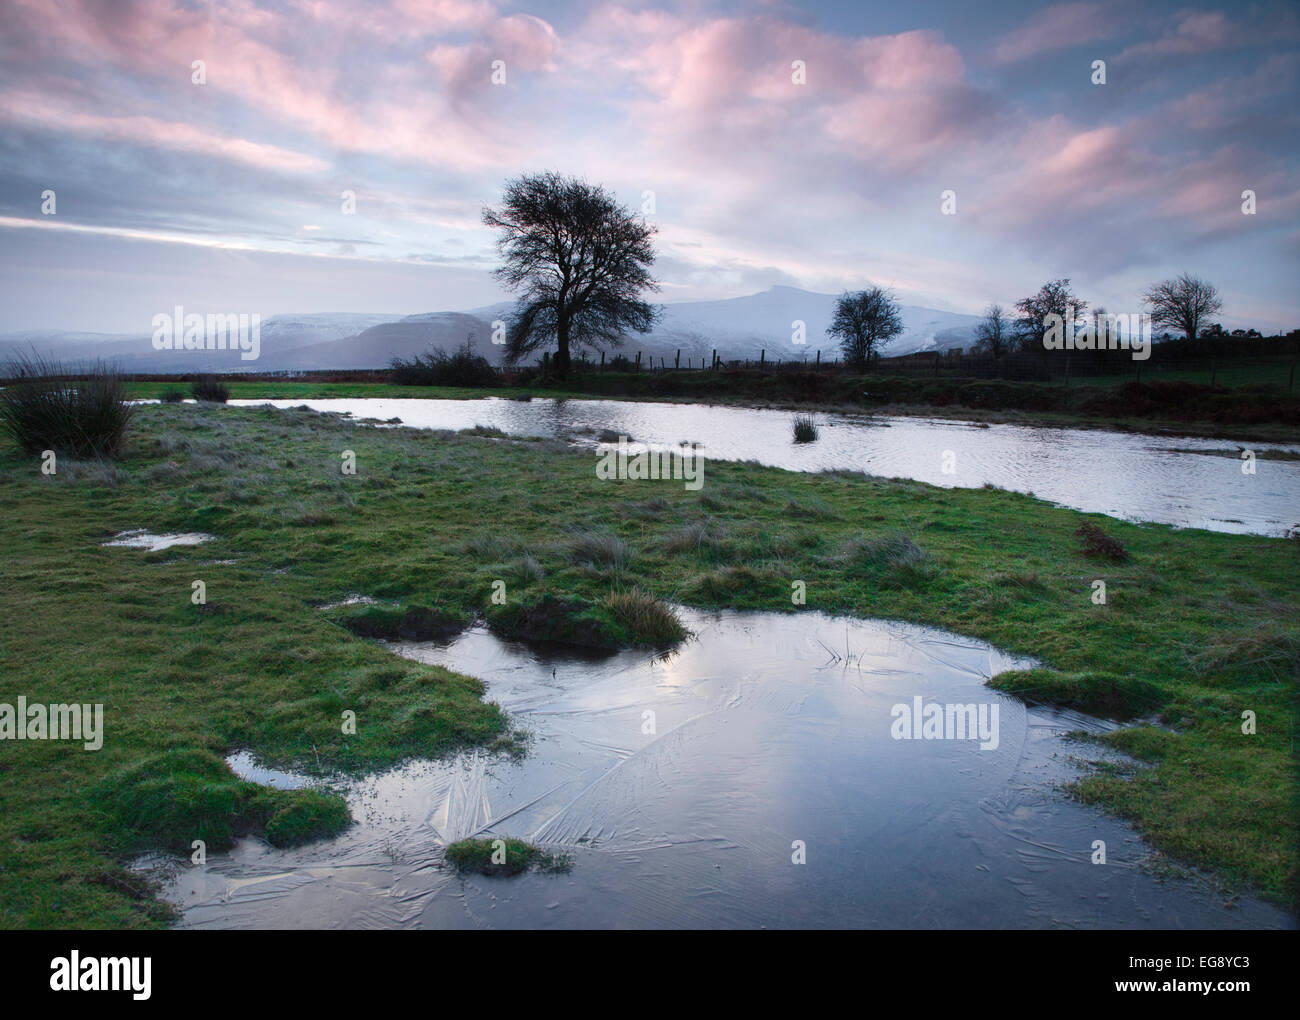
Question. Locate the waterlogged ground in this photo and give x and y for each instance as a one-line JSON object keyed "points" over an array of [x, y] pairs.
{"points": [[1185, 482], [681, 787]]}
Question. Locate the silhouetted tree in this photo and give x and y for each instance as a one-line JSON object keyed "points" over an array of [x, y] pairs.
{"points": [[580, 261], [1184, 303], [863, 323], [1053, 298], [993, 334]]}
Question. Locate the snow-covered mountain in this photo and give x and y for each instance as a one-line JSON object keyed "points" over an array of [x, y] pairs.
{"points": [[738, 328], [284, 339], [769, 321]]}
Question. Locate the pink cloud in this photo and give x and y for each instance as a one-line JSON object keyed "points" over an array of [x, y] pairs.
{"points": [[523, 43], [1196, 32], [39, 110], [1059, 26]]}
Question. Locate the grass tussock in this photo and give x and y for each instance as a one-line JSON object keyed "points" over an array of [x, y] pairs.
{"points": [[552, 619], [599, 549], [890, 561], [700, 537], [485, 432], [81, 413], [805, 429], [170, 800], [210, 389], [722, 587], [416, 623], [505, 857], [648, 620], [1100, 546], [1103, 694], [489, 547], [527, 569]]}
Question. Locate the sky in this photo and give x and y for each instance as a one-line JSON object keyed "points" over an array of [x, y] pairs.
{"points": [[223, 187]]}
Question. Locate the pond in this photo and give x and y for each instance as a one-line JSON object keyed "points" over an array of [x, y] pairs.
{"points": [[766, 774], [1186, 482]]}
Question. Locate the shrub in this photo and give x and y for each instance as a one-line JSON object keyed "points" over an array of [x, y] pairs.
{"points": [[805, 429], [171, 395], [438, 368], [211, 389], [47, 407]]}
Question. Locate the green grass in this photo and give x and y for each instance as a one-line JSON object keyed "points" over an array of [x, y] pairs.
{"points": [[1276, 373], [170, 799], [1104, 694], [431, 520], [299, 390], [512, 857]]}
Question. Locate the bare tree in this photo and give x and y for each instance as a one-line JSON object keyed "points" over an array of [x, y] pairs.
{"points": [[1053, 298], [1184, 303], [863, 323], [580, 262], [993, 335]]}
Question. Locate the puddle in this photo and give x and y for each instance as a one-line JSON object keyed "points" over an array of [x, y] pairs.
{"points": [[142, 539], [681, 786], [351, 600], [244, 765]]}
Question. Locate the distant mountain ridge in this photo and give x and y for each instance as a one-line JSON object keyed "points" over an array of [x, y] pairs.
{"points": [[738, 328]]}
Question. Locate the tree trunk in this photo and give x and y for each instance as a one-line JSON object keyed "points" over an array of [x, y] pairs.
{"points": [[562, 353]]}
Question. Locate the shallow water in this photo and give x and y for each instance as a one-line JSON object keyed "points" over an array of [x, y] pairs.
{"points": [[142, 539], [766, 730], [1126, 475]]}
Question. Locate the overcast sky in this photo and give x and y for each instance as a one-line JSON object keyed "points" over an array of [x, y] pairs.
{"points": [[228, 196]]}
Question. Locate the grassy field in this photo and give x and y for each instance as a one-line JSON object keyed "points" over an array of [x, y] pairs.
{"points": [[1270, 373], [1198, 627]]}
